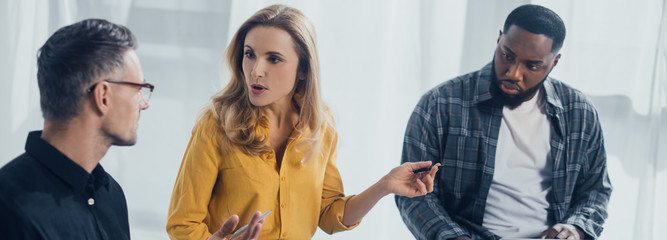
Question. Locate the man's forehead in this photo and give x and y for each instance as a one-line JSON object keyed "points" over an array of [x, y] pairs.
{"points": [[132, 67], [523, 42]]}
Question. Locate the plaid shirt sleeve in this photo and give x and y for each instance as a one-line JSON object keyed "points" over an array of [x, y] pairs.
{"points": [[592, 188], [425, 216]]}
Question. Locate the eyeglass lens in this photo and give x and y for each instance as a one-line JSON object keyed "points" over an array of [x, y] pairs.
{"points": [[146, 92]]}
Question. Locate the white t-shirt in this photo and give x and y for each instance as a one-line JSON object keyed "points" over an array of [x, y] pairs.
{"points": [[517, 204]]}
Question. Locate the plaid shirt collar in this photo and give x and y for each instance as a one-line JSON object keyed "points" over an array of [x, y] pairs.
{"points": [[487, 75]]}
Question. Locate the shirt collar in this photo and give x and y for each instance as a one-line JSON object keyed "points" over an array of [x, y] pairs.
{"points": [[552, 97], [300, 128], [487, 75], [62, 166]]}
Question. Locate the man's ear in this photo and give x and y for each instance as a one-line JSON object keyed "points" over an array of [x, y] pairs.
{"points": [[500, 34], [101, 97], [556, 60]]}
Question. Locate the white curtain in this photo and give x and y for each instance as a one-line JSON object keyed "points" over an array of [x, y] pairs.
{"points": [[378, 57]]}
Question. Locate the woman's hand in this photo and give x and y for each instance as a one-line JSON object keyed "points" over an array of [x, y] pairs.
{"points": [[402, 181], [227, 228]]}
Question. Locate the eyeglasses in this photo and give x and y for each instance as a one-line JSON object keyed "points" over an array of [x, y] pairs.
{"points": [[146, 88]]}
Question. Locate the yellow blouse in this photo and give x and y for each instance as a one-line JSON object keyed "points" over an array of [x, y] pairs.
{"points": [[213, 184]]}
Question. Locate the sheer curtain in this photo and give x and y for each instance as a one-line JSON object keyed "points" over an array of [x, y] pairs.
{"points": [[378, 58]]}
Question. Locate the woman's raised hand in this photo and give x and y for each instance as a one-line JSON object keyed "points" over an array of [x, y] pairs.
{"points": [[403, 181]]}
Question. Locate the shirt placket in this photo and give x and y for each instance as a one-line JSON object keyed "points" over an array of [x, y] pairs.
{"points": [[89, 193], [559, 172], [492, 127], [283, 193]]}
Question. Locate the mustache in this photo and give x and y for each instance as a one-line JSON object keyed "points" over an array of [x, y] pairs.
{"points": [[508, 83]]}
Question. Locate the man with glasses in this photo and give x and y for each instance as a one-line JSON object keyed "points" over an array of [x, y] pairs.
{"points": [[92, 91]]}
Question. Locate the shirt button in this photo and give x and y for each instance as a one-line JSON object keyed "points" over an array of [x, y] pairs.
{"points": [[283, 205], [284, 234], [282, 179], [91, 201]]}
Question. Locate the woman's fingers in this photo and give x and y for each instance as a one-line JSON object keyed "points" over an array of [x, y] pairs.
{"points": [[411, 166], [226, 228], [254, 232], [428, 181], [420, 188], [434, 170]]}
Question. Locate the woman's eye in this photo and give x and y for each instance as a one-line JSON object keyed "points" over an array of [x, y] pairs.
{"points": [[274, 60], [248, 54]]}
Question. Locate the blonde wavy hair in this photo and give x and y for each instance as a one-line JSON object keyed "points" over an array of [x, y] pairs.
{"points": [[239, 119]]}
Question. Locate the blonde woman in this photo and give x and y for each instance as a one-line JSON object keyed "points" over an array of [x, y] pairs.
{"points": [[267, 142]]}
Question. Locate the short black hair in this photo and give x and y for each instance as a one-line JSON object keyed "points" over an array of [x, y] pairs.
{"points": [[538, 20], [72, 58]]}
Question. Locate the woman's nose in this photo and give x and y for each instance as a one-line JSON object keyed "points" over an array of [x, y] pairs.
{"points": [[258, 69]]}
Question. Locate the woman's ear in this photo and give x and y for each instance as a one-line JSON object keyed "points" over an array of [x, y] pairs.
{"points": [[301, 76]]}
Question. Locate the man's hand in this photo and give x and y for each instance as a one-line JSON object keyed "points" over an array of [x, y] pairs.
{"points": [[227, 228], [402, 181], [563, 231], [464, 237]]}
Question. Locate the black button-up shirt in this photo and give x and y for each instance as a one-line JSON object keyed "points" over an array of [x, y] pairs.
{"points": [[45, 195]]}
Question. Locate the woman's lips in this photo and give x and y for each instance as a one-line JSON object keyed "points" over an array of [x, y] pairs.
{"points": [[257, 89]]}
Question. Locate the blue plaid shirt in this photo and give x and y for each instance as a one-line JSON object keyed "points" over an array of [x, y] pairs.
{"points": [[457, 124]]}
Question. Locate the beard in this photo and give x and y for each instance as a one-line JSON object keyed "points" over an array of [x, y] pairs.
{"points": [[512, 101]]}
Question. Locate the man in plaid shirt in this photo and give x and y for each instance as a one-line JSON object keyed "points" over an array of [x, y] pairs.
{"points": [[522, 153]]}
